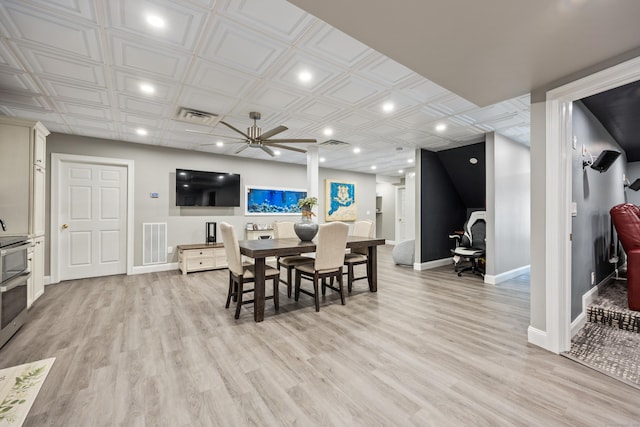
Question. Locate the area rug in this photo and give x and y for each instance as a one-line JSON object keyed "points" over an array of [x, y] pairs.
{"points": [[610, 308], [609, 350], [19, 386]]}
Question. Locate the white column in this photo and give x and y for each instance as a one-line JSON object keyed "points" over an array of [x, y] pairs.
{"points": [[312, 172]]}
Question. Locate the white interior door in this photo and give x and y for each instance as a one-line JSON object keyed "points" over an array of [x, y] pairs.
{"points": [[401, 223], [92, 216]]}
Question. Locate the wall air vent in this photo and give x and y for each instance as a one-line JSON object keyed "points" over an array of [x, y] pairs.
{"points": [[334, 142], [196, 117]]}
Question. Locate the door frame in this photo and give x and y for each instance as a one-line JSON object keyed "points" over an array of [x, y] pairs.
{"points": [[559, 144], [57, 159], [396, 230]]}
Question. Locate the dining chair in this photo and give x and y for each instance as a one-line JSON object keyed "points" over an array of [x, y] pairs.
{"points": [[284, 230], [357, 255], [332, 242], [241, 273]]}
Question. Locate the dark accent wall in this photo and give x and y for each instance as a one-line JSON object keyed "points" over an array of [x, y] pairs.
{"points": [[451, 187]]}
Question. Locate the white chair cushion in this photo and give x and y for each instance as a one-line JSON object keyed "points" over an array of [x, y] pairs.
{"points": [[354, 258], [269, 272], [309, 268], [292, 261], [468, 252]]}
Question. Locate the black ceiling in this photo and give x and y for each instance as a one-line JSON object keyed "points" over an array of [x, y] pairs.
{"points": [[619, 112]]}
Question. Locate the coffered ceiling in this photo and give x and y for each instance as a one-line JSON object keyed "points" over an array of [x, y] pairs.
{"points": [[78, 66]]}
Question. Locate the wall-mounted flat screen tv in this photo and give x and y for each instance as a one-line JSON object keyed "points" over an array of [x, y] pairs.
{"points": [[200, 188]]}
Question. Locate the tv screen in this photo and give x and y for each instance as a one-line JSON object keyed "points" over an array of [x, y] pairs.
{"points": [[200, 188]]}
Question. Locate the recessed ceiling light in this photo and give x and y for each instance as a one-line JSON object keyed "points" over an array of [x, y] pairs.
{"points": [[141, 132], [322, 159], [400, 171], [441, 127], [147, 88], [328, 131], [409, 160], [388, 107], [473, 161], [220, 176], [155, 21], [374, 167], [219, 144], [304, 76], [356, 150], [186, 185], [277, 152]]}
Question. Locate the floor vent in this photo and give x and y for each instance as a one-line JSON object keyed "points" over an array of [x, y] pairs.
{"points": [[196, 117], [334, 142], [154, 243]]}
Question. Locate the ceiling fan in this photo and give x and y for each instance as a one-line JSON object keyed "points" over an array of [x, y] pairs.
{"points": [[256, 139]]}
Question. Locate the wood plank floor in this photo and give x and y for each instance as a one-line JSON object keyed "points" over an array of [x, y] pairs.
{"points": [[428, 348]]}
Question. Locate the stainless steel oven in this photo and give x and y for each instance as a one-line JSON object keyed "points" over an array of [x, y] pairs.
{"points": [[15, 274]]}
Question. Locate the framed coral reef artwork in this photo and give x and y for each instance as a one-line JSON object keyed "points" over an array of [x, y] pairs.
{"points": [[340, 201], [273, 201]]}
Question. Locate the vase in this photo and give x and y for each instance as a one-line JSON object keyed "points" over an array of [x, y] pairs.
{"points": [[306, 229]]}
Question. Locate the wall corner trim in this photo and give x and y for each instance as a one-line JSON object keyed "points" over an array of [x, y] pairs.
{"points": [[432, 264], [499, 278], [47, 280], [537, 337], [142, 269]]}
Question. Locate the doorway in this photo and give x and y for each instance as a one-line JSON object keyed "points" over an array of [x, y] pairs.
{"points": [[401, 207], [91, 217]]}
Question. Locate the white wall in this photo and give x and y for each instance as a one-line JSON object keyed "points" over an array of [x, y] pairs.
{"points": [[155, 172], [508, 206]]}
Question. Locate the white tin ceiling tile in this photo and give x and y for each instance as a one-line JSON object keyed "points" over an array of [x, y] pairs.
{"points": [[138, 120], [337, 46], [419, 117], [278, 18], [215, 77], [321, 74], [196, 98], [387, 71], [183, 22], [84, 110], [319, 110], [356, 120], [53, 66], [24, 100], [299, 124], [86, 125], [17, 81], [131, 104], [241, 48], [95, 133], [149, 58], [424, 91], [48, 118], [353, 90], [7, 58], [490, 113], [56, 128], [276, 98], [412, 136], [451, 104], [76, 8], [386, 129], [66, 91], [52, 32], [129, 84]]}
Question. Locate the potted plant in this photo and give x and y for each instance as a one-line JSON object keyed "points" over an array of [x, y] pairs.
{"points": [[306, 229]]}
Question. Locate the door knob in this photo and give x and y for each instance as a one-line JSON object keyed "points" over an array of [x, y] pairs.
{"points": [[65, 226]]}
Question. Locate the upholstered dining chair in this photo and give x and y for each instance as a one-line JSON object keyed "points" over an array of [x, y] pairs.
{"points": [[284, 230], [240, 273], [332, 242], [358, 256]]}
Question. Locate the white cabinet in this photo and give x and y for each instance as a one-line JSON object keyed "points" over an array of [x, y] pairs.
{"points": [[35, 286], [200, 257], [22, 176]]}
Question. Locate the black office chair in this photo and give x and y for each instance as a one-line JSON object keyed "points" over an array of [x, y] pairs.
{"points": [[471, 245]]}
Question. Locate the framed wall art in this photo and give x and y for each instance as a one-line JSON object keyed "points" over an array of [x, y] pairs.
{"points": [[273, 200], [340, 201]]}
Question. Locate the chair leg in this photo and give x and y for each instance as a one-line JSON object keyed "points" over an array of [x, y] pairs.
{"points": [[289, 281], [230, 293], [297, 289], [324, 286], [240, 289], [341, 286], [276, 292], [315, 291], [350, 276]]}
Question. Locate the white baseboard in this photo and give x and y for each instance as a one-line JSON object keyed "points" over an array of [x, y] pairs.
{"points": [[499, 278], [587, 299], [537, 337], [432, 264], [142, 269], [47, 280]]}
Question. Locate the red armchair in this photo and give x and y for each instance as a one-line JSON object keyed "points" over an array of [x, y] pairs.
{"points": [[626, 220]]}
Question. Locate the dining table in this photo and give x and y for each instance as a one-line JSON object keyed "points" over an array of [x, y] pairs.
{"points": [[261, 249]]}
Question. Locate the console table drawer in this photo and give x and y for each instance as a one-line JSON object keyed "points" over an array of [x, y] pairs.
{"points": [[199, 257], [199, 263]]}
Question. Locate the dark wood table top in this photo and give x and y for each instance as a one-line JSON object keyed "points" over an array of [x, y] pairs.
{"points": [[281, 247]]}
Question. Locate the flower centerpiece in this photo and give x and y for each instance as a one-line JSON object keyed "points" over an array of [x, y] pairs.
{"points": [[306, 229]]}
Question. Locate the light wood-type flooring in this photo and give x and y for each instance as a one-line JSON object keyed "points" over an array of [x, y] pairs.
{"points": [[428, 349]]}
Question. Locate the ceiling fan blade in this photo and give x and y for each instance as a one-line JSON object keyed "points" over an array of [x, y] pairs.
{"points": [[241, 149], [268, 134], [237, 130], [267, 150], [291, 140], [284, 147]]}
